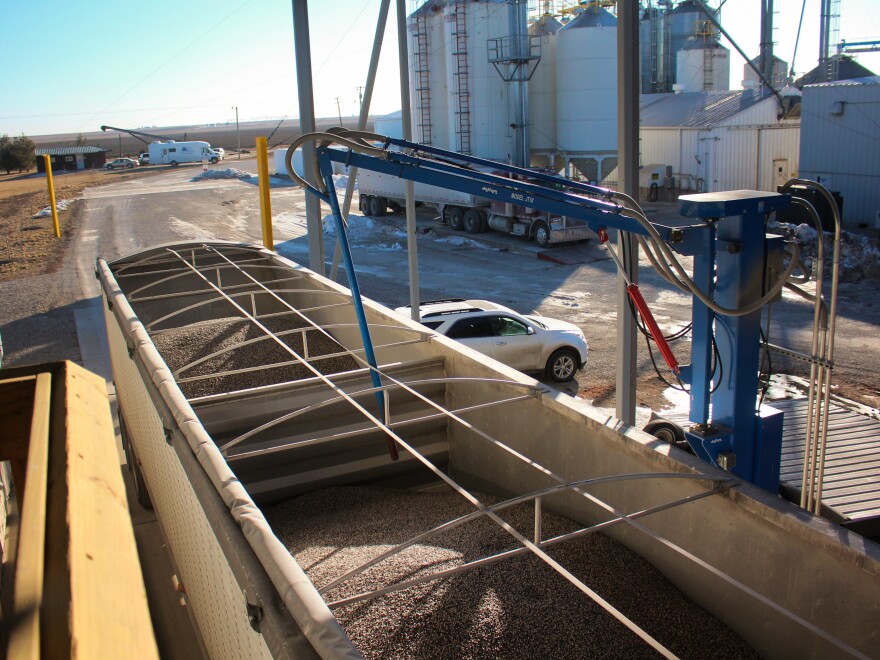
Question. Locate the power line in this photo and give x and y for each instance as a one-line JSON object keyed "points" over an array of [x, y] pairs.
{"points": [[156, 70]]}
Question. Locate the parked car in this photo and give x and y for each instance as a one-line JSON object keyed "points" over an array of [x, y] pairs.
{"points": [[524, 342], [121, 163], [220, 153], [144, 159]]}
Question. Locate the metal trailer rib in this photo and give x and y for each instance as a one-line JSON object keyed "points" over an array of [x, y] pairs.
{"points": [[464, 493], [184, 294], [536, 495], [730, 580], [260, 262], [387, 388], [185, 272], [287, 363], [515, 552], [251, 294], [270, 315], [367, 429], [424, 336], [161, 257]]}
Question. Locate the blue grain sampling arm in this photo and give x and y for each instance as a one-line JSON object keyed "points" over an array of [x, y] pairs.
{"points": [[723, 232]]}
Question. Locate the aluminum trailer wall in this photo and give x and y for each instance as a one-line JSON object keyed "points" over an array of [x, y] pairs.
{"points": [[788, 582]]}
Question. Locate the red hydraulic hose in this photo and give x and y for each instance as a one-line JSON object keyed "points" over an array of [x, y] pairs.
{"points": [[636, 296], [662, 344]]}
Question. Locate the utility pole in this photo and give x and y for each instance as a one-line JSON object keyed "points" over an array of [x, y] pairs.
{"points": [[120, 145], [339, 110], [237, 132], [360, 89]]}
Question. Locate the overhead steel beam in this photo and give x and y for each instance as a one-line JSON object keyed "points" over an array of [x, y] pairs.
{"points": [[305, 93], [628, 175]]}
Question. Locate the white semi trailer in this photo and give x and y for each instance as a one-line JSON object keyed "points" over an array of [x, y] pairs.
{"points": [[380, 193]]}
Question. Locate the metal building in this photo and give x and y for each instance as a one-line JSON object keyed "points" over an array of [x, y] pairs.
{"points": [[72, 158], [721, 140], [840, 144]]}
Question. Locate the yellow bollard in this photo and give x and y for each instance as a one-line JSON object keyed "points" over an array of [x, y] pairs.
{"points": [[265, 203], [48, 163]]}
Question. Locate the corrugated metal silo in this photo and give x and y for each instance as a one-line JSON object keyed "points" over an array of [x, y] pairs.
{"points": [[652, 51], [478, 114], [683, 22], [459, 101], [542, 93], [586, 83], [702, 66], [429, 94]]}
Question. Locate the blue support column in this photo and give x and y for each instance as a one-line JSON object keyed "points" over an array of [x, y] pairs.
{"points": [[739, 277], [699, 375]]}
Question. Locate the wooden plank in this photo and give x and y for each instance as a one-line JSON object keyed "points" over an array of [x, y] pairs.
{"points": [[24, 639], [109, 617]]}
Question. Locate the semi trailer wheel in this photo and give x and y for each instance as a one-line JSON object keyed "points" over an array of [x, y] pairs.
{"points": [[542, 234], [376, 206], [472, 222], [456, 218]]}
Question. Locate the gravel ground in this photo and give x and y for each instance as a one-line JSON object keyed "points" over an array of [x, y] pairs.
{"points": [[518, 608], [182, 346]]}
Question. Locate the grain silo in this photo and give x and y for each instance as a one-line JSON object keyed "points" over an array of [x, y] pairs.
{"points": [[679, 46], [703, 65], [653, 51], [427, 64], [586, 84], [542, 94], [459, 101]]}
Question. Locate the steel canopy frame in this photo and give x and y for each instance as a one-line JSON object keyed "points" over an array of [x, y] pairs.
{"points": [[558, 484]]}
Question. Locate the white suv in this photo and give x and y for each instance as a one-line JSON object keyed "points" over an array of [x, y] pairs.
{"points": [[527, 343]]}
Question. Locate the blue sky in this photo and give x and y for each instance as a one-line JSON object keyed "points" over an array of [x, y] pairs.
{"points": [[78, 65]]}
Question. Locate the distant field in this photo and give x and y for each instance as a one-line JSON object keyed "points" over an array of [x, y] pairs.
{"points": [[218, 136]]}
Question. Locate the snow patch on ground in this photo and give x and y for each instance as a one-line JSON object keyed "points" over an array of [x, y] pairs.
{"points": [[360, 228], [190, 231], [241, 175], [60, 205], [225, 173], [341, 181], [461, 241]]}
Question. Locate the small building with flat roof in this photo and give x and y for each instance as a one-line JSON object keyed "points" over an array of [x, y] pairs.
{"points": [[72, 158]]}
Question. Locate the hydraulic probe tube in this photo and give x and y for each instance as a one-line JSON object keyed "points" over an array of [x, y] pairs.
{"points": [[639, 301], [358, 305]]}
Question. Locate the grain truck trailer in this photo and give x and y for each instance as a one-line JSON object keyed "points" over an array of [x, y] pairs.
{"points": [[250, 413], [380, 192]]}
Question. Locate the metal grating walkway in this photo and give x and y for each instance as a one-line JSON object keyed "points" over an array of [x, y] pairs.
{"points": [[852, 464]]}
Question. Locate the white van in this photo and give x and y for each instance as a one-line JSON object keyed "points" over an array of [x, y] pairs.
{"points": [[173, 153]]}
